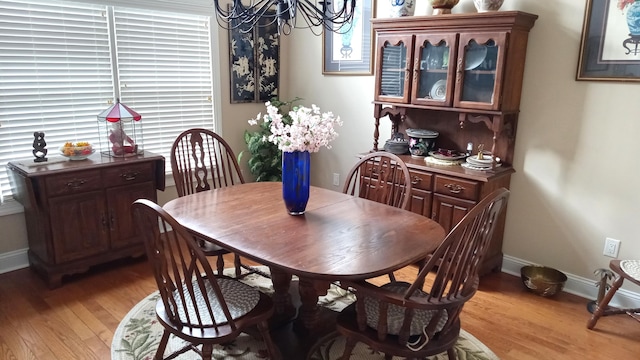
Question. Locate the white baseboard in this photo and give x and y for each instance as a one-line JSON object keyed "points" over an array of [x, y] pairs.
{"points": [[576, 285], [13, 260]]}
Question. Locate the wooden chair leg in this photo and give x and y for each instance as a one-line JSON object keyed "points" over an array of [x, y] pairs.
{"points": [[163, 344], [220, 264], [236, 263], [600, 309], [272, 349], [392, 277], [207, 351], [348, 348]]}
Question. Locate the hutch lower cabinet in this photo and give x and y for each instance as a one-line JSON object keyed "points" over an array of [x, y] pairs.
{"points": [[78, 213], [446, 195], [459, 75]]}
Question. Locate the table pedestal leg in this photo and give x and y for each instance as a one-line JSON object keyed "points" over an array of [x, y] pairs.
{"points": [[310, 290], [284, 309]]}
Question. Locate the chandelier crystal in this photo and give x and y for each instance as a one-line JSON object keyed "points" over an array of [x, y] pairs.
{"points": [[331, 15]]}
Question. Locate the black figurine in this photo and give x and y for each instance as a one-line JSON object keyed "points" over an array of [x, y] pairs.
{"points": [[39, 145]]}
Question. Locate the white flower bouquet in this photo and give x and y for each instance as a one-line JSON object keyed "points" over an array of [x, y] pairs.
{"points": [[301, 129]]}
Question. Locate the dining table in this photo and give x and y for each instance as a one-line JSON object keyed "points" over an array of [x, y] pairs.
{"points": [[339, 237]]}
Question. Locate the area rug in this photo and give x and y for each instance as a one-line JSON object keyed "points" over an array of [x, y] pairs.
{"points": [[139, 333]]}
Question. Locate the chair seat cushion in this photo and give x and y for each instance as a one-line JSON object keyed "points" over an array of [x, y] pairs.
{"points": [[395, 313], [239, 297], [631, 267]]}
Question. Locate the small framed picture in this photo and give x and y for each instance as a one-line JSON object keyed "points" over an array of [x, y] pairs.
{"points": [[348, 51]]}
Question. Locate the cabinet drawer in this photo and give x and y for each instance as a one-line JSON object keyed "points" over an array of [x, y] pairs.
{"points": [[462, 189], [421, 180], [129, 174], [76, 182]]}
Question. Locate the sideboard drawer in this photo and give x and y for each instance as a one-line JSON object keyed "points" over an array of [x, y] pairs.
{"points": [[72, 183], [463, 189], [130, 174], [421, 180]]}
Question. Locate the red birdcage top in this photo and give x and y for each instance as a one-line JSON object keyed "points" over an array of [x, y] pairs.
{"points": [[119, 112]]}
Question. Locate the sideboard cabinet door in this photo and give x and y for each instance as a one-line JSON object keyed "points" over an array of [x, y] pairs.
{"points": [[78, 226], [78, 213], [124, 231]]}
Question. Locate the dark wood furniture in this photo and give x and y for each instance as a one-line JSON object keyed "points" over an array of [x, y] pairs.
{"points": [[603, 308], [78, 213], [386, 317], [340, 237], [202, 160], [381, 177], [460, 75], [195, 304]]}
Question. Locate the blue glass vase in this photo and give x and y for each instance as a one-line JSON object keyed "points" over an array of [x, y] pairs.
{"points": [[296, 168], [633, 18]]}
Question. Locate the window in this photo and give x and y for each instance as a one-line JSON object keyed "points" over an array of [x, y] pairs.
{"points": [[63, 62]]}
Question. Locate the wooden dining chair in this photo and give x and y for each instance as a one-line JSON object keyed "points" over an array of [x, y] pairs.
{"points": [[624, 270], [402, 319], [382, 177], [202, 160], [197, 305]]}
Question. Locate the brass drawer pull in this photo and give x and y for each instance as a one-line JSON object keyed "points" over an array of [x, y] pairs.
{"points": [[454, 188], [76, 183], [130, 175], [416, 180]]}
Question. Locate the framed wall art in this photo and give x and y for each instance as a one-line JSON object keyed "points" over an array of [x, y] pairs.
{"points": [[610, 45], [254, 62], [348, 52]]}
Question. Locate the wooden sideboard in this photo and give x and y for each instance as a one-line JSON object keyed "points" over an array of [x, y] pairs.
{"points": [[460, 75], [78, 213]]}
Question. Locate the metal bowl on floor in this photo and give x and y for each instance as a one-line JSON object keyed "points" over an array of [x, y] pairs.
{"points": [[542, 280]]}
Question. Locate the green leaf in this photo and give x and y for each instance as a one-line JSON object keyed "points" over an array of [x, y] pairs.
{"points": [[265, 159]]}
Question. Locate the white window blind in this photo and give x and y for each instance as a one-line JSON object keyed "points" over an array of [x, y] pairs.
{"points": [[165, 72], [55, 75], [62, 62]]}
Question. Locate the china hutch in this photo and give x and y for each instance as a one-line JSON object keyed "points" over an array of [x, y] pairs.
{"points": [[78, 213], [460, 75]]}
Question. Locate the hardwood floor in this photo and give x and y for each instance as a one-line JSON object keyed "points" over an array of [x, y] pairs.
{"points": [[77, 320]]}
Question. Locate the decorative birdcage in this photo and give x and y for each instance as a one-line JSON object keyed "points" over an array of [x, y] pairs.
{"points": [[120, 131]]}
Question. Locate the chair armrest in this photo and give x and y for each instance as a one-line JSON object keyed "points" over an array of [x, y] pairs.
{"points": [[363, 288]]}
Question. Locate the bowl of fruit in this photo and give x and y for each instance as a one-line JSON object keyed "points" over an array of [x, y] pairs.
{"points": [[76, 151]]}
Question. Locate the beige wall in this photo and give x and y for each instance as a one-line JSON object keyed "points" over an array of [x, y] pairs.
{"points": [[575, 161], [13, 233]]}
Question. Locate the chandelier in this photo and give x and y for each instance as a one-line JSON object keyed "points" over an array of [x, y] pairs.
{"points": [[331, 15]]}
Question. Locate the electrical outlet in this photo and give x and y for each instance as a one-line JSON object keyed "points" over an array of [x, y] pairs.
{"points": [[336, 179], [611, 247]]}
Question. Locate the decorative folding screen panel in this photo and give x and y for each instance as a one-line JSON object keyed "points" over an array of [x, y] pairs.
{"points": [[254, 62]]}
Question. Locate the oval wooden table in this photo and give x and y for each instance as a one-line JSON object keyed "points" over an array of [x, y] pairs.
{"points": [[340, 237]]}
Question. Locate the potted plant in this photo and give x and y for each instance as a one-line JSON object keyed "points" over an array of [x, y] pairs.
{"points": [[265, 161]]}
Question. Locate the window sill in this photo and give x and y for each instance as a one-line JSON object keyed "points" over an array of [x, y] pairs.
{"points": [[10, 207]]}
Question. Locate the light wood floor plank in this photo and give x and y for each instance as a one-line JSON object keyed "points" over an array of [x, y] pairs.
{"points": [[514, 323], [13, 348]]}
